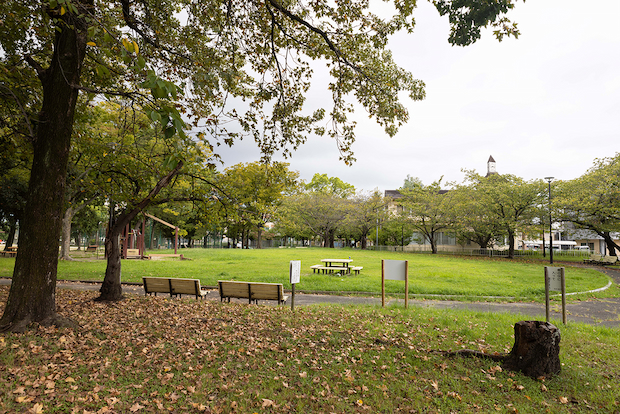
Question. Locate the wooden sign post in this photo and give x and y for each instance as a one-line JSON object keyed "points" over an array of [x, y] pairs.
{"points": [[554, 281], [295, 277], [395, 270]]}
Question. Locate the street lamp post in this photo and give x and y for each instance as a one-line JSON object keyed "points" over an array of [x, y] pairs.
{"points": [[550, 223]]}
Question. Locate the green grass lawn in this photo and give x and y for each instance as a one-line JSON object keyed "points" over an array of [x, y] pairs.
{"points": [[429, 274], [154, 354]]}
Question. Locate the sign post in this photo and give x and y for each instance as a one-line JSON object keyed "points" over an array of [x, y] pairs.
{"points": [[395, 270], [555, 281], [295, 277]]}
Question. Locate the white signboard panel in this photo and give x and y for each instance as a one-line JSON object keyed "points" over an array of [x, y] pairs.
{"points": [[295, 271], [555, 278], [395, 269]]}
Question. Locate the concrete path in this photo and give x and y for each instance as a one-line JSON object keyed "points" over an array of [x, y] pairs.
{"points": [[600, 312]]}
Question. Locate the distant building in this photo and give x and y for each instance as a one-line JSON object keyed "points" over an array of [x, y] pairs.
{"points": [[491, 167]]}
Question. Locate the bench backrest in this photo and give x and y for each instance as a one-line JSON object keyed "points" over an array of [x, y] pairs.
{"points": [[185, 286], [156, 284], [251, 290], [267, 291]]}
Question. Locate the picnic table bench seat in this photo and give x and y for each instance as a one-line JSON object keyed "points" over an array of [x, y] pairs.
{"points": [[10, 251], [330, 269], [253, 291], [357, 269], [173, 286]]}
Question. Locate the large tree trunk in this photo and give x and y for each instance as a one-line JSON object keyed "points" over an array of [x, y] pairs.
{"points": [[259, 237], [10, 238], [433, 242], [111, 289], [511, 244], [66, 234], [32, 297], [611, 245]]}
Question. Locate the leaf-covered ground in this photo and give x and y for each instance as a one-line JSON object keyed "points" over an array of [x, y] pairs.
{"points": [[155, 354]]}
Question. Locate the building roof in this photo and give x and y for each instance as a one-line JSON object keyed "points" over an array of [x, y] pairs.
{"points": [[393, 194]]}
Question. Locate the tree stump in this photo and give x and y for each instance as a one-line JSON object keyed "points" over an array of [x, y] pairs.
{"points": [[536, 352]]}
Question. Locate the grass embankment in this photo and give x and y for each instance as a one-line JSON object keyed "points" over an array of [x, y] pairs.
{"points": [[429, 274], [154, 354]]}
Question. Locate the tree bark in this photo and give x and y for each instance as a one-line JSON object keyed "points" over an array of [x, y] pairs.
{"points": [[536, 351], [259, 236], [10, 238], [511, 244], [32, 297], [111, 289], [431, 240], [609, 241], [66, 234]]}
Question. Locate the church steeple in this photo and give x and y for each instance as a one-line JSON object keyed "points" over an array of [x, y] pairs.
{"points": [[491, 166]]}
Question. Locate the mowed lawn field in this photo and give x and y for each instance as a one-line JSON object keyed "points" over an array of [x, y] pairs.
{"points": [[428, 274]]}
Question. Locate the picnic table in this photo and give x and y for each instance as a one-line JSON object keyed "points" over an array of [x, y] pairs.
{"points": [[9, 251], [336, 262], [333, 265]]}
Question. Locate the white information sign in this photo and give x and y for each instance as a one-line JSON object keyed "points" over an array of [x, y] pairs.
{"points": [[555, 278], [295, 271], [395, 269]]}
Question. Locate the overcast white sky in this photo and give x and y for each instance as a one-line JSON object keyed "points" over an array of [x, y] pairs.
{"points": [[546, 104]]}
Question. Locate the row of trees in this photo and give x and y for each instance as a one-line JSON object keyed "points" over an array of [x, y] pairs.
{"points": [[486, 211], [483, 210]]}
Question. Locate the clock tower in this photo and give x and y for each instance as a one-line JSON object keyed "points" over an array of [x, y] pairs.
{"points": [[491, 169]]}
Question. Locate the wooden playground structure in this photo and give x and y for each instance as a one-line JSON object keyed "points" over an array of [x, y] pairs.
{"points": [[133, 244]]}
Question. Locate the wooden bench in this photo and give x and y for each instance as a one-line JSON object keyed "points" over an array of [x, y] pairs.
{"points": [[593, 259], [608, 260], [163, 256], [91, 248], [330, 269], [357, 269], [133, 254], [173, 286], [253, 291]]}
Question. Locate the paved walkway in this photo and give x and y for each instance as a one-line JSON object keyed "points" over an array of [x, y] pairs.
{"points": [[600, 312]]}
